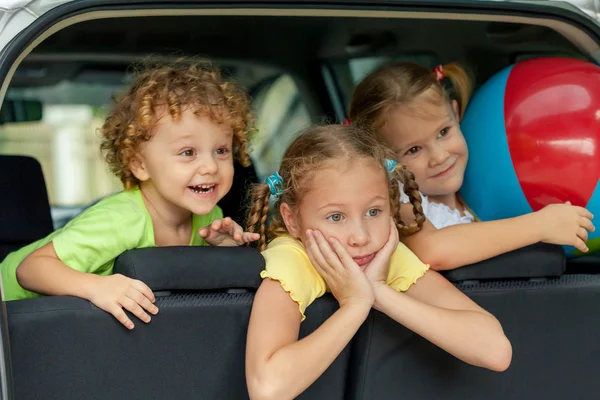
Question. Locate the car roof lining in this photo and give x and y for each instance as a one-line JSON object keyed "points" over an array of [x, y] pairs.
{"points": [[326, 38]]}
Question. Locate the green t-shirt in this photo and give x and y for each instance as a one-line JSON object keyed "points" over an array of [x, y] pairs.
{"points": [[93, 240]]}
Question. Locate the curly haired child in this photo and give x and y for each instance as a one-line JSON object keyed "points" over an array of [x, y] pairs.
{"points": [[171, 139]]}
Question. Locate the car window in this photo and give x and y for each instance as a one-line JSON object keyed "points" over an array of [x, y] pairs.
{"points": [[349, 72], [66, 141], [280, 114]]}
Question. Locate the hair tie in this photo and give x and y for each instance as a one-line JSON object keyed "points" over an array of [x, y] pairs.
{"points": [[347, 122], [439, 73], [390, 166], [275, 184]]}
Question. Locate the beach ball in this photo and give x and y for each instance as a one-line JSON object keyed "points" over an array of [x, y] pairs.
{"points": [[533, 132]]}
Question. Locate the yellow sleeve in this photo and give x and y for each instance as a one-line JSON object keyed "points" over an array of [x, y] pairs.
{"points": [[405, 268], [286, 261]]}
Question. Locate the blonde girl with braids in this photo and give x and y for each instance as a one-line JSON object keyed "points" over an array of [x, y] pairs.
{"points": [[335, 229], [417, 112], [171, 139]]}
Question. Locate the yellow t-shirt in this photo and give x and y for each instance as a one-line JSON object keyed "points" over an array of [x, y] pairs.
{"points": [[287, 262]]}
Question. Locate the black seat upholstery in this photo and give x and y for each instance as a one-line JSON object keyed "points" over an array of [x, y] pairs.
{"points": [[551, 322], [24, 207], [194, 348]]}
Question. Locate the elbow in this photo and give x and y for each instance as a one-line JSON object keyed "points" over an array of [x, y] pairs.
{"points": [[22, 273], [499, 359], [497, 352], [435, 258], [262, 389]]}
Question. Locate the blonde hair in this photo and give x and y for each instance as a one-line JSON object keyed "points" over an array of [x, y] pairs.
{"points": [[185, 83], [308, 153], [399, 84]]}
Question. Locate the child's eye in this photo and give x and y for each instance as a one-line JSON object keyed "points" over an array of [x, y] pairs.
{"points": [[335, 217], [222, 151], [413, 150], [188, 153], [373, 212], [444, 132]]}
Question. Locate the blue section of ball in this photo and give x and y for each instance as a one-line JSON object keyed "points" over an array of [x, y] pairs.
{"points": [[491, 188]]}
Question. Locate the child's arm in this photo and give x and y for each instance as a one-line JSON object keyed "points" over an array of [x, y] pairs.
{"points": [[226, 232], [464, 244], [278, 365], [435, 309], [43, 272]]}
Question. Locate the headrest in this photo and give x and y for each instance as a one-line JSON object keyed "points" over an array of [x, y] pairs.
{"points": [[24, 208], [193, 267], [540, 260]]}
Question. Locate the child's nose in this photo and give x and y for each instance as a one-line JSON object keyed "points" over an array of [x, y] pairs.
{"points": [[207, 165], [359, 236], [438, 156]]}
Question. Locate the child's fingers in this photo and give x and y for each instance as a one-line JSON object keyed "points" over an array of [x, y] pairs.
{"points": [[314, 254], [331, 258], [248, 237], [119, 314], [142, 300], [134, 308], [203, 232], [587, 224], [238, 232], [584, 212], [216, 225], [342, 254], [228, 225], [582, 234], [393, 237], [143, 289], [580, 245]]}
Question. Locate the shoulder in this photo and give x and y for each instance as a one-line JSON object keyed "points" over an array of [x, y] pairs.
{"points": [[127, 203], [405, 268], [286, 261], [288, 250], [118, 221]]}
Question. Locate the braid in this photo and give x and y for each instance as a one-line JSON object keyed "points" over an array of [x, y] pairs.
{"points": [[259, 210], [402, 174]]}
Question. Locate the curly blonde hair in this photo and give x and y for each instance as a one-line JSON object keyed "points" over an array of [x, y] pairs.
{"points": [[175, 87], [308, 153]]}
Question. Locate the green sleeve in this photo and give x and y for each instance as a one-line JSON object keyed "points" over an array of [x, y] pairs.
{"points": [[91, 242]]}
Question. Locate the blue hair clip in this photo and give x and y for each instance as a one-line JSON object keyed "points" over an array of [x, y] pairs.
{"points": [[275, 184], [390, 166]]}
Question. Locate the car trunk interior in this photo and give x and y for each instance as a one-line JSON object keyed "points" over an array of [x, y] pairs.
{"points": [[312, 47], [316, 49]]}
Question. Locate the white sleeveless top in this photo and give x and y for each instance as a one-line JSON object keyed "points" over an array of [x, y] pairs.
{"points": [[440, 215]]}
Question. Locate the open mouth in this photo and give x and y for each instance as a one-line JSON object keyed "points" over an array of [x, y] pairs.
{"points": [[203, 189]]}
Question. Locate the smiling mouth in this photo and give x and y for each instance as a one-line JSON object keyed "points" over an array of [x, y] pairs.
{"points": [[203, 189], [444, 172]]}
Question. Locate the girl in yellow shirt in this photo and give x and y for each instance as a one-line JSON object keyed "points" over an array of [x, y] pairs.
{"points": [[336, 229]]}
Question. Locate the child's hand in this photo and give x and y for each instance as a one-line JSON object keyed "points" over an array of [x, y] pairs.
{"points": [[226, 232], [117, 292], [377, 270], [348, 283], [565, 224]]}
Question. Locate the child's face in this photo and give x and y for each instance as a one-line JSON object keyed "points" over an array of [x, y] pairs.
{"points": [[188, 162], [348, 201], [430, 143]]}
